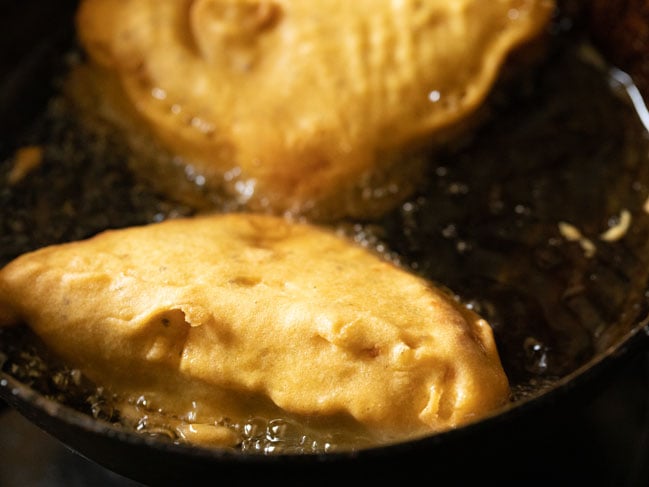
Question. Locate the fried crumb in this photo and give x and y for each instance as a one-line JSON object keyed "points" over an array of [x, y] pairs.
{"points": [[617, 231], [26, 159], [572, 234], [569, 232]]}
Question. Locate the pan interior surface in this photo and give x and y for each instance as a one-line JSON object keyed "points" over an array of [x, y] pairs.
{"points": [[538, 220]]}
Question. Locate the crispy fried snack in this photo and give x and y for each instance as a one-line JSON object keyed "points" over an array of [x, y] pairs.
{"points": [[319, 107], [244, 316]]}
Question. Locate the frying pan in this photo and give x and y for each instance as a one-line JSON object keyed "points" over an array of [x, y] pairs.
{"points": [[563, 145]]}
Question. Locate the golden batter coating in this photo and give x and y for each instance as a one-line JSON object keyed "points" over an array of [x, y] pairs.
{"points": [[244, 315], [319, 107]]}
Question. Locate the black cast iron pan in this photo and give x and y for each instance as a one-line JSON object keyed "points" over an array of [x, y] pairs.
{"points": [[563, 144]]}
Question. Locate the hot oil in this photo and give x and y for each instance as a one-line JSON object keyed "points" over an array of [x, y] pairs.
{"points": [[561, 149]]}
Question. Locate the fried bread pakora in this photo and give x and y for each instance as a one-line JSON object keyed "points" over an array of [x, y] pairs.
{"points": [[320, 108], [242, 315]]}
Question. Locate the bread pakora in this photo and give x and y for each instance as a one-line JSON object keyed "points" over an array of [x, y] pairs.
{"points": [[322, 107], [242, 315]]}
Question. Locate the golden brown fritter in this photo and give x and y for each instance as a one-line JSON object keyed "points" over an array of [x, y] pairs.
{"points": [[319, 107], [254, 316]]}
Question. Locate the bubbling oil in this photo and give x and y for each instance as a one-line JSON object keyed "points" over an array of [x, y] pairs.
{"points": [[560, 146]]}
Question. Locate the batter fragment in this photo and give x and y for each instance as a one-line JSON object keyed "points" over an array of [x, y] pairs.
{"points": [[245, 315]]}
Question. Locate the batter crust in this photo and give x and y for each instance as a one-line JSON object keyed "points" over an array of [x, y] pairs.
{"points": [[319, 107], [246, 315]]}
